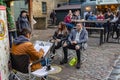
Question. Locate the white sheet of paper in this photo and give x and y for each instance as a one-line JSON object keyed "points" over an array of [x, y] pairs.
{"points": [[41, 72], [46, 48]]}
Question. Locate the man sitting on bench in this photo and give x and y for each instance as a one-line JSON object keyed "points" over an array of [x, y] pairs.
{"points": [[75, 40]]}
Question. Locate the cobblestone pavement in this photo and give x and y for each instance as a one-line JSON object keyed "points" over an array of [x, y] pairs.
{"points": [[99, 62]]}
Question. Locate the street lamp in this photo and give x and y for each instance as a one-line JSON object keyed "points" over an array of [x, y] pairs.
{"points": [[88, 8]]}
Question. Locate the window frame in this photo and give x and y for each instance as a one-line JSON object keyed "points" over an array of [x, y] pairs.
{"points": [[92, 0], [44, 7]]}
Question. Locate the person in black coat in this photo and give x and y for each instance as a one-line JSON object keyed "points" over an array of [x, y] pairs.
{"points": [[23, 22]]}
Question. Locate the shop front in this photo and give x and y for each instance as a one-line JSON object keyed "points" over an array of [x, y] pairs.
{"points": [[103, 8], [103, 5]]}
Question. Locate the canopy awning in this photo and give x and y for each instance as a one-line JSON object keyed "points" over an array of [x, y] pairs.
{"points": [[66, 7]]}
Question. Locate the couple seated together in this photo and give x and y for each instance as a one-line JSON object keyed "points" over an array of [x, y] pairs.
{"points": [[70, 40]]}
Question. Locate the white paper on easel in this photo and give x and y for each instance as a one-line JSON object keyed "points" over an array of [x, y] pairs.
{"points": [[44, 47]]}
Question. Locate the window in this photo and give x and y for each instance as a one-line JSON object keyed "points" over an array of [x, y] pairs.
{"points": [[92, 0], [74, 1], [44, 7]]}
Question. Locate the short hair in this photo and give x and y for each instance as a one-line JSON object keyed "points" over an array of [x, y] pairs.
{"points": [[80, 23], [25, 32]]}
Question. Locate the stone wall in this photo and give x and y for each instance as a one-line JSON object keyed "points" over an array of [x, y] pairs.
{"points": [[37, 11], [41, 23]]}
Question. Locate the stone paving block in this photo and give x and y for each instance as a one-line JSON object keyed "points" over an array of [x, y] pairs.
{"points": [[113, 77], [116, 67], [117, 64], [115, 72]]}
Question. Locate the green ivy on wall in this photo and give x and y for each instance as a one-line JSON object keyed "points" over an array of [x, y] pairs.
{"points": [[2, 2]]}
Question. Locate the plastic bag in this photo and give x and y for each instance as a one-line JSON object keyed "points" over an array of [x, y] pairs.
{"points": [[73, 61]]}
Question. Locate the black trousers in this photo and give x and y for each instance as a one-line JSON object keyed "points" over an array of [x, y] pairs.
{"points": [[78, 52], [59, 44]]}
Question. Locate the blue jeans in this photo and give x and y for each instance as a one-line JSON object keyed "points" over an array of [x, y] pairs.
{"points": [[99, 25], [69, 26], [12, 35], [45, 61]]}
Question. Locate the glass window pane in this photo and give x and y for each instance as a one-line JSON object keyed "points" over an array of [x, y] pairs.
{"points": [[44, 7]]}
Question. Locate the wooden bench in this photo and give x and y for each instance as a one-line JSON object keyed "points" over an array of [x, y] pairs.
{"points": [[101, 29]]}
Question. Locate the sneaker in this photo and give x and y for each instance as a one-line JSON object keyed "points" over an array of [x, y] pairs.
{"points": [[78, 65], [52, 56], [63, 62]]}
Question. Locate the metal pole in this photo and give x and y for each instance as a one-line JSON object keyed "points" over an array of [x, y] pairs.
{"points": [[30, 12]]}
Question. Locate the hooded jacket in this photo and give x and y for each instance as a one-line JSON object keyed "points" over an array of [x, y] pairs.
{"points": [[22, 45]]}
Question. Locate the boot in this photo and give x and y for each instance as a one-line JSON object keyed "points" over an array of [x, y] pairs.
{"points": [[64, 61]]}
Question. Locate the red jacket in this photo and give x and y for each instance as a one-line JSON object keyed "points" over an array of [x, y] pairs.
{"points": [[100, 17], [67, 19]]}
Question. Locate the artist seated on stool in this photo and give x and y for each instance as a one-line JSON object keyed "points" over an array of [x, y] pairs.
{"points": [[75, 40], [22, 45]]}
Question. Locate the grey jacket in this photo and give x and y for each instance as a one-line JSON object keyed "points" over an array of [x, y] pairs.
{"points": [[23, 23], [82, 38]]}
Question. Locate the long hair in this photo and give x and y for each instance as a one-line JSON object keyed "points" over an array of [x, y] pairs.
{"points": [[63, 28]]}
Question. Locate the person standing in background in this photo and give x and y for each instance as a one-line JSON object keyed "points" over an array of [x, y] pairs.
{"points": [[53, 17], [23, 22]]}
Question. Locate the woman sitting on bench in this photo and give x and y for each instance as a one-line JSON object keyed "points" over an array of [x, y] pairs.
{"points": [[60, 35]]}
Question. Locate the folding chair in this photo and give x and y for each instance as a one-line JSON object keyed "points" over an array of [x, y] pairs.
{"points": [[20, 63]]}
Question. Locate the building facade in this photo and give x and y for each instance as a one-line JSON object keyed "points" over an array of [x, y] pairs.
{"points": [[42, 10], [18, 6], [81, 5]]}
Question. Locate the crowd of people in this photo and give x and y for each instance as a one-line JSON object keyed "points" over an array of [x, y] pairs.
{"points": [[66, 36], [61, 38], [112, 18], [75, 37]]}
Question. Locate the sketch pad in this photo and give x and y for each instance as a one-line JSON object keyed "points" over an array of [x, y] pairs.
{"points": [[44, 45]]}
